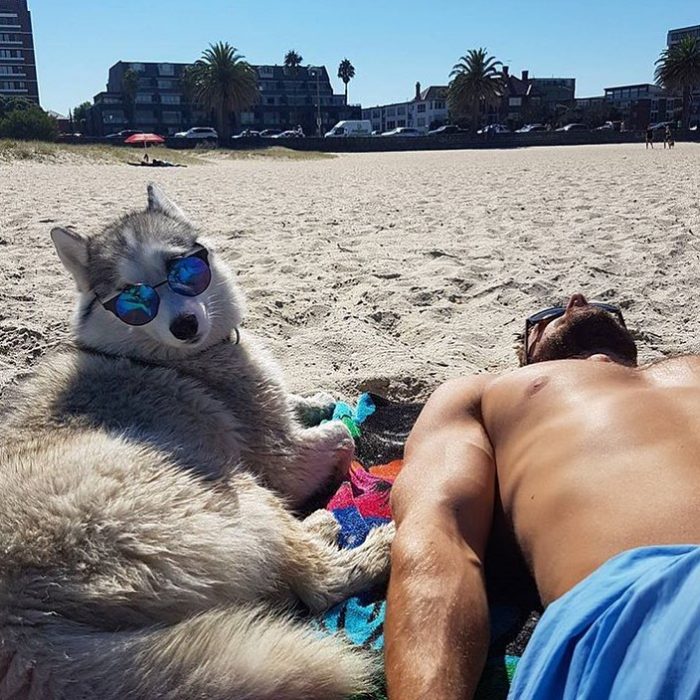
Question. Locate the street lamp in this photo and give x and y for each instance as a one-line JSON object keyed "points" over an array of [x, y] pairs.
{"points": [[317, 71]]}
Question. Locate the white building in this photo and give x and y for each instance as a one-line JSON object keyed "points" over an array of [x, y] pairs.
{"points": [[427, 110]]}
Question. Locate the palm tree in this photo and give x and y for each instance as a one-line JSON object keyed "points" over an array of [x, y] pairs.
{"points": [[678, 69], [222, 82], [346, 72], [130, 84], [292, 61], [476, 82]]}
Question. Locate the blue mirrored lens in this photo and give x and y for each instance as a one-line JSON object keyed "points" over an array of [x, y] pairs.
{"points": [[137, 305], [189, 276]]}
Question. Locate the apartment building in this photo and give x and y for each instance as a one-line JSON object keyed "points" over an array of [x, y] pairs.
{"points": [[427, 110], [17, 62], [288, 98], [643, 104]]}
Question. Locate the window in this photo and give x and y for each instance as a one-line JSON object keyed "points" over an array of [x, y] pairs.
{"points": [[421, 121], [138, 67], [269, 100], [170, 99], [267, 71], [13, 85], [515, 101], [11, 70], [167, 84], [113, 116], [172, 117], [391, 112], [10, 39], [144, 98], [166, 69], [145, 116], [9, 20], [421, 107], [11, 54], [247, 117]]}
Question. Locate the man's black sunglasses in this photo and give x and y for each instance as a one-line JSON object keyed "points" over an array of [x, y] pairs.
{"points": [[138, 304], [556, 311]]}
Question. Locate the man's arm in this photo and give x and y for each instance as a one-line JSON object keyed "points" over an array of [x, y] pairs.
{"points": [[437, 626]]}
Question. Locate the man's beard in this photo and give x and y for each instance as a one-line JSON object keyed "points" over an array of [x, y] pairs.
{"points": [[585, 332]]}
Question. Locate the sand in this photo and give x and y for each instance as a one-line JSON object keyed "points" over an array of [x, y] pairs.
{"points": [[387, 272]]}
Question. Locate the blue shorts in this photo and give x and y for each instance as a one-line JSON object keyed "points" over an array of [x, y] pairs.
{"points": [[629, 631]]}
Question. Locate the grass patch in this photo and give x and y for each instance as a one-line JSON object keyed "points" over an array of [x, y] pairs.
{"points": [[272, 153], [46, 152]]}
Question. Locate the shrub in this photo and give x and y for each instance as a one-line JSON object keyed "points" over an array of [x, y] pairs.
{"points": [[29, 123]]}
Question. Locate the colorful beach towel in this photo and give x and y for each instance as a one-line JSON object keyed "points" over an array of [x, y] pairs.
{"points": [[380, 428]]}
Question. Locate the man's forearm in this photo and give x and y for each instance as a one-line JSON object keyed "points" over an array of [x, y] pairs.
{"points": [[437, 628]]}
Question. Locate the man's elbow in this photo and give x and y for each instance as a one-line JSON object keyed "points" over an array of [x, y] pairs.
{"points": [[427, 550]]}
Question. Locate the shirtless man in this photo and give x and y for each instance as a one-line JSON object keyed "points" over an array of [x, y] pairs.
{"points": [[583, 456]]}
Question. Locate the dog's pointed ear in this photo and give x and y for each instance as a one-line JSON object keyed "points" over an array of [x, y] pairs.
{"points": [[72, 248], [159, 202]]}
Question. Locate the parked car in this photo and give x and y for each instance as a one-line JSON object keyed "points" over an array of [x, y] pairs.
{"points": [[447, 129], [123, 134], [289, 134], [201, 133], [350, 127], [661, 126], [574, 127], [529, 128], [267, 133], [610, 126], [246, 134], [494, 129], [403, 131]]}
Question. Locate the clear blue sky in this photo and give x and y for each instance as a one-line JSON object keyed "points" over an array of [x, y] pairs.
{"points": [[391, 44]]}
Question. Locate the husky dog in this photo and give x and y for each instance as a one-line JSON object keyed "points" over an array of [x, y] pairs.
{"points": [[147, 478]]}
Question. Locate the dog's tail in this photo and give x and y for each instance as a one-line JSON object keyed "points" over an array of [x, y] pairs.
{"points": [[223, 654]]}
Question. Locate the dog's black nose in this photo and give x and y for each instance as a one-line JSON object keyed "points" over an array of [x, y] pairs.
{"points": [[184, 327]]}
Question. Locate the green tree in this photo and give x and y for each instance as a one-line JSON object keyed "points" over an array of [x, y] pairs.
{"points": [[28, 123], [80, 114], [346, 72], [477, 82], [12, 104], [292, 61], [224, 83], [130, 85], [678, 70]]}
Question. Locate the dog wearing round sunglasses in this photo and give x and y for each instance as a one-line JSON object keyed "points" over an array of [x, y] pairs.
{"points": [[147, 539]]}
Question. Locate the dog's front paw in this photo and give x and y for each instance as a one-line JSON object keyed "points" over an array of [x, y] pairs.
{"points": [[312, 410], [322, 524]]}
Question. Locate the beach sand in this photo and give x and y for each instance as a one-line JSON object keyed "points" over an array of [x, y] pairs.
{"points": [[387, 272]]}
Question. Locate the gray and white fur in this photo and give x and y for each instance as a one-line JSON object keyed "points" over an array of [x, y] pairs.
{"points": [[148, 547]]}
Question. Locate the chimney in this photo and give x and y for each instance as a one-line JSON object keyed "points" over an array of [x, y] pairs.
{"points": [[505, 71], [524, 76], [418, 91]]}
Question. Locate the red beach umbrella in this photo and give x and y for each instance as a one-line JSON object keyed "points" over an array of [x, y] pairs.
{"points": [[145, 139]]}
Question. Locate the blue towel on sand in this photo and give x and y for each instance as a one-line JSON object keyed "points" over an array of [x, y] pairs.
{"points": [[629, 631]]}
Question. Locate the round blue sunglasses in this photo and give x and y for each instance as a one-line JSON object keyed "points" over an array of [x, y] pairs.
{"points": [[137, 304]]}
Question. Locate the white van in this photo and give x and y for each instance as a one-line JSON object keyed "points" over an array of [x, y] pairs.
{"points": [[351, 127]]}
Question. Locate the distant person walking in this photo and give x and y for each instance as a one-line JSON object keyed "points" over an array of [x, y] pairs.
{"points": [[650, 137], [668, 137]]}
